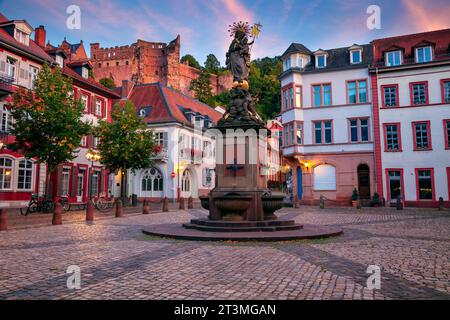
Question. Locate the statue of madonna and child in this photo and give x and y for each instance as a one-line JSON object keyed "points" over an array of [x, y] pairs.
{"points": [[241, 108]]}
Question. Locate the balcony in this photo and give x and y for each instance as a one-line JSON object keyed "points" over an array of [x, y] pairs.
{"points": [[191, 155], [160, 154], [6, 82]]}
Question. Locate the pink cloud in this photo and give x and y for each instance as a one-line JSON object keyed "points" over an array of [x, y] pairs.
{"points": [[426, 17]]}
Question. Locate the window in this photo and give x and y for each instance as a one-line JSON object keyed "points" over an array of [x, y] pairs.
{"points": [[25, 175], [392, 137], [299, 62], [85, 102], [425, 184], [355, 56], [286, 99], [22, 37], [422, 137], [447, 134], [390, 96], [359, 130], [289, 138], [299, 133], [419, 93], [152, 180], [98, 107], [65, 178], [298, 96], [287, 63], [84, 72], [323, 132], [5, 119], [60, 60], [207, 177], [357, 91], [423, 54], [321, 95], [96, 142], [291, 97], [6, 170], [324, 177], [161, 139], [33, 75], [11, 68], [83, 142], [395, 181], [445, 91], [393, 58], [321, 61], [95, 180]]}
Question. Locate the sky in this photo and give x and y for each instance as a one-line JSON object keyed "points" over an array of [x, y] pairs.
{"points": [[203, 24]]}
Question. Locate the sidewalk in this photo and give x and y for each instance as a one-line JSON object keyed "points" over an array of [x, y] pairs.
{"points": [[17, 221]]}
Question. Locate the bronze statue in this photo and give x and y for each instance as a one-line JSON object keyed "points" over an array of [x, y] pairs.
{"points": [[242, 107]]}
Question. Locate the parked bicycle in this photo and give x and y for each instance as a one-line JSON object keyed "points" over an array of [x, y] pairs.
{"points": [[43, 204], [103, 204]]}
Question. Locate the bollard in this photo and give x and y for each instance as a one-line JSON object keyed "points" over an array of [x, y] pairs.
{"points": [[190, 203], [119, 208], [181, 203], [399, 204], [90, 211], [296, 204], [3, 220], [165, 207], [145, 208], [57, 214], [322, 202], [441, 204]]}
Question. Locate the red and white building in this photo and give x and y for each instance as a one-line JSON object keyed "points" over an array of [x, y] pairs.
{"points": [[20, 60], [410, 79], [328, 124]]}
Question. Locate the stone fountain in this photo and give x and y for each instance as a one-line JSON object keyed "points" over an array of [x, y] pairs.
{"points": [[241, 207]]}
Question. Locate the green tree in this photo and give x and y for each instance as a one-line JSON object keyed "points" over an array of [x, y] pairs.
{"points": [[107, 82], [47, 123], [212, 64], [202, 87], [125, 143], [191, 60]]}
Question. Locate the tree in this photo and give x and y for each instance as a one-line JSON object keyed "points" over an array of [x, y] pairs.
{"points": [[125, 143], [47, 123], [191, 60], [107, 82], [212, 65], [202, 87]]}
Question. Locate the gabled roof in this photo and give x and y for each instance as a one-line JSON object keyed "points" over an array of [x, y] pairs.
{"points": [[33, 51], [168, 105], [89, 83], [297, 48]]}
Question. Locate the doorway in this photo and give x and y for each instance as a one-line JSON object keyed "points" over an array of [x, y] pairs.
{"points": [[364, 181]]}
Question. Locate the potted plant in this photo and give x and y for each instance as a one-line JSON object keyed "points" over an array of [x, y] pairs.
{"points": [[355, 198], [376, 202]]}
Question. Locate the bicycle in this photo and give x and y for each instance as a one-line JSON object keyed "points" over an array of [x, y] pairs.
{"points": [[102, 204], [43, 204]]}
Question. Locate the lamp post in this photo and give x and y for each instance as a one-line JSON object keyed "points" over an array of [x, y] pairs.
{"points": [[92, 156], [178, 169]]}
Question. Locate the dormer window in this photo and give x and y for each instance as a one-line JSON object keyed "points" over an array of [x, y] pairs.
{"points": [[22, 37], [59, 60], [321, 61], [355, 56], [84, 72], [299, 62], [393, 58], [424, 54], [287, 63]]}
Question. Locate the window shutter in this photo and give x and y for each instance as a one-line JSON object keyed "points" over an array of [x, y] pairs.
{"points": [[2, 66], [92, 100], [22, 73], [165, 140], [73, 190], [59, 180], [102, 180]]}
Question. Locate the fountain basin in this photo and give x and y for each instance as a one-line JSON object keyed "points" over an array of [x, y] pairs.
{"points": [[272, 203]]}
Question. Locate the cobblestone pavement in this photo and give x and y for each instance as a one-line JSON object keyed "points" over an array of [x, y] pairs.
{"points": [[412, 248]]}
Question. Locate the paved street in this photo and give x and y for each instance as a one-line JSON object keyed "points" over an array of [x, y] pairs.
{"points": [[117, 261]]}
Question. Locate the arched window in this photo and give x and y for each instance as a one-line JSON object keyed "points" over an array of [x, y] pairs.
{"points": [[25, 174], [186, 181], [324, 177], [152, 180], [6, 171]]}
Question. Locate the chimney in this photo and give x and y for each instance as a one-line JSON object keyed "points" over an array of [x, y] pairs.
{"points": [[127, 86], [39, 36]]}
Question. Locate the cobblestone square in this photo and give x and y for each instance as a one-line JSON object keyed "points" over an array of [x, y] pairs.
{"points": [[412, 248]]}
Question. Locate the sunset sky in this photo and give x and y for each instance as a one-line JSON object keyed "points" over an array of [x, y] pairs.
{"points": [[203, 24]]}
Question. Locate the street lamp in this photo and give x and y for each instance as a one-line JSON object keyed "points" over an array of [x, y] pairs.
{"points": [[92, 156], [178, 169]]}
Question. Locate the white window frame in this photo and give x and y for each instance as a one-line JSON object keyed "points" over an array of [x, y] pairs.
{"points": [[5, 119], [392, 53], [324, 61], [25, 169], [423, 48], [11, 67], [98, 107], [3, 169], [33, 75], [85, 101], [65, 180], [287, 63], [84, 72], [360, 56], [59, 60]]}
